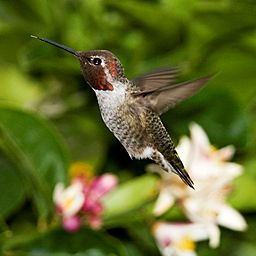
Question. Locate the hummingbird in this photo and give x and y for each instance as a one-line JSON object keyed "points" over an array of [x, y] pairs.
{"points": [[131, 109]]}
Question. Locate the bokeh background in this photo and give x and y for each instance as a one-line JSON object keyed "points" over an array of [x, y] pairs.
{"points": [[49, 116]]}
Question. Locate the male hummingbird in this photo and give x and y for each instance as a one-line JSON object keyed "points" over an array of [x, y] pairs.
{"points": [[131, 108]]}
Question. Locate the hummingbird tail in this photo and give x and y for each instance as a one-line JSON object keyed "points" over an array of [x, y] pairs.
{"points": [[184, 176], [180, 171]]}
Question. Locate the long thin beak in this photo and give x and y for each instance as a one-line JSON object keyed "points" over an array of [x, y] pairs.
{"points": [[58, 45]]}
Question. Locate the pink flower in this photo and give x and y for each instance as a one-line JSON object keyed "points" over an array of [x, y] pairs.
{"points": [[94, 191], [71, 224], [82, 200], [69, 202]]}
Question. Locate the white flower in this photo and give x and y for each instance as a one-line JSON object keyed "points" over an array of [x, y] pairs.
{"points": [[204, 161], [213, 176], [69, 200], [164, 201], [178, 239], [213, 212]]}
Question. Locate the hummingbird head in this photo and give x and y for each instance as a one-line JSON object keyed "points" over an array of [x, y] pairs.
{"points": [[100, 68]]}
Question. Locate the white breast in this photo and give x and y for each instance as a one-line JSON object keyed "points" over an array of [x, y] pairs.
{"points": [[109, 101]]}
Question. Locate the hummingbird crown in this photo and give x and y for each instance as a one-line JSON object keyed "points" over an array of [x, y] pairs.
{"points": [[101, 69]]}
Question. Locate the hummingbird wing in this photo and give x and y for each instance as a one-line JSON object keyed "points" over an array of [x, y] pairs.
{"points": [[158, 93], [156, 79]]}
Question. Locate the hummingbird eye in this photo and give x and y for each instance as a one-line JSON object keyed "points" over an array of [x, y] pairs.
{"points": [[96, 61]]}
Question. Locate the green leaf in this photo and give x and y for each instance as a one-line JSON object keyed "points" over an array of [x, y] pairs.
{"points": [[12, 192], [38, 152], [130, 195], [142, 236], [17, 88], [59, 242], [154, 11], [245, 188]]}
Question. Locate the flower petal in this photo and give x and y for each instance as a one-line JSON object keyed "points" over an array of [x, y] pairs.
{"points": [[103, 184], [232, 170], [93, 207], [178, 238], [58, 192], [230, 218], [70, 200], [199, 137], [184, 150], [225, 153], [169, 251], [71, 224], [214, 235], [164, 201], [173, 231], [94, 221]]}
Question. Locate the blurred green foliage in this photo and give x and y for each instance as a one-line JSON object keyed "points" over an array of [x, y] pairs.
{"points": [[202, 36]]}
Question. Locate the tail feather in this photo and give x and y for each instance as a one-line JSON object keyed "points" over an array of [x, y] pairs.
{"points": [[162, 148], [184, 176], [175, 166]]}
